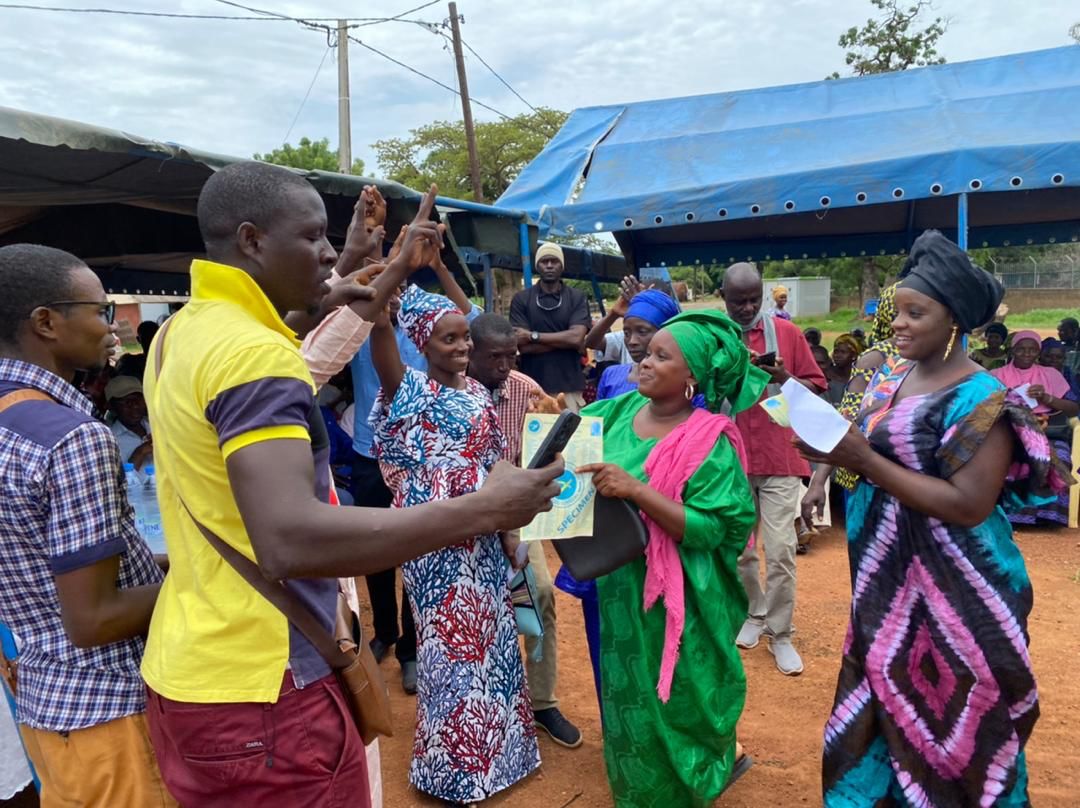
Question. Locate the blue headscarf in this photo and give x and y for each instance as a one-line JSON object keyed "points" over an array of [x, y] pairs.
{"points": [[653, 306]]}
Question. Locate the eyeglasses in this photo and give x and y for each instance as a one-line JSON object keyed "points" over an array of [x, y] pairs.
{"points": [[107, 309]]}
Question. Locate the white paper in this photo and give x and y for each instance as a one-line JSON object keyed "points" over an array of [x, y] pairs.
{"points": [[1022, 391], [813, 419]]}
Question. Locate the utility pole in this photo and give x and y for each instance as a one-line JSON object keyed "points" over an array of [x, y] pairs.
{"points": [[466, 109], [344, 113]]}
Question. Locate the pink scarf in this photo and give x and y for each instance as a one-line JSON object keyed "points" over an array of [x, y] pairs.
{"points": [[670, 465]]}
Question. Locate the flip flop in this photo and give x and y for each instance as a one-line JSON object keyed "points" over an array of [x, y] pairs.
{"points": [[741, 767]]}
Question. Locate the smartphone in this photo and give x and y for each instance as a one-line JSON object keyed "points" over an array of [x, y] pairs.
{"points": [[555, 440], [766, 359]]}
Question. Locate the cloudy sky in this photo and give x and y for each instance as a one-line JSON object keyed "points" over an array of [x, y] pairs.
{"points": [[234, 87]]}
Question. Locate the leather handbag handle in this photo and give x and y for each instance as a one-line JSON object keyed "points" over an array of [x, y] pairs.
{"points": [[281, 598]]}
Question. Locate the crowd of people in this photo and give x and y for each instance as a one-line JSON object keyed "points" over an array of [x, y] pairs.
{"points": [[319, 417]]}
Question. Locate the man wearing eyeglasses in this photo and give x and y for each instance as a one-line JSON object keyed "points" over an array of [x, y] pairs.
{"points": [[550, 322], [77, 583]]}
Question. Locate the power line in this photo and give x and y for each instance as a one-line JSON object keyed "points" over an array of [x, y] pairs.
{"points": [[496, 75], [397, 17], [270, 16], [131, 13], [432, 79], [358, 22], [296, 117]]}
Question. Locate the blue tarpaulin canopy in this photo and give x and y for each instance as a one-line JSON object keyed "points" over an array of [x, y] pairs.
{"points": [[845, 167]]}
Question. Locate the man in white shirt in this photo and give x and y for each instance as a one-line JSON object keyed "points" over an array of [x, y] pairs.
{"points": [[124, 395]]}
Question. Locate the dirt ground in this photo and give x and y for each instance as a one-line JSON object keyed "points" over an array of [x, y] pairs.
{"points": [[781, 727]]}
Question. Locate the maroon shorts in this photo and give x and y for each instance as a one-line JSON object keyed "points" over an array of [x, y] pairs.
{"points": [[302, 751]]}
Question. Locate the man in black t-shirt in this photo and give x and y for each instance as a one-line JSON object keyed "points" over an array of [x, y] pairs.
{"points": [[550, 322]]}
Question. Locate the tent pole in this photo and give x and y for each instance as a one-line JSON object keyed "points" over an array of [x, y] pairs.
{"points": [[526, 259], [962, 221], [586, 258], [489, 282], [962, 242]]}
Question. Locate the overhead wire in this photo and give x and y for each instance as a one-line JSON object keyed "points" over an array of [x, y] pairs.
{"points": [[432, 79], [311, 22], [262, 16], [496, 75], [300, 109]]}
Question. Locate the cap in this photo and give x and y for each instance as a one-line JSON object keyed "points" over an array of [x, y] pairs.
{"points": [[122, 387]]}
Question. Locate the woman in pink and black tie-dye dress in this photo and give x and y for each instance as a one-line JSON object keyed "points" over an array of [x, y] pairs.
{"points": [[437, 435], [936, 696]]}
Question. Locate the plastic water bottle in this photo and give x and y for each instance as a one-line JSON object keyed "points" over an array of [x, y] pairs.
{"points": [[134, 486], [152, 531]]}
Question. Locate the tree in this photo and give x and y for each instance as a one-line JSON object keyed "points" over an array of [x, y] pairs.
{"points": [[437, 153], [882, 46], [312, 155], [888, 44], [1074, 32]]}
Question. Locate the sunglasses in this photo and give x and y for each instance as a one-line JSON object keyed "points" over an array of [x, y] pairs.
{"points": [[106, 310]]}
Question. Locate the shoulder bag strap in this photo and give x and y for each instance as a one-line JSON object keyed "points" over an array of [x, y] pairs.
{"points": [[19, 396], [281, 598]]}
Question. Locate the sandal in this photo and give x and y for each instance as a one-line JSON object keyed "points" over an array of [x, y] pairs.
{"points": [[743, 762]]}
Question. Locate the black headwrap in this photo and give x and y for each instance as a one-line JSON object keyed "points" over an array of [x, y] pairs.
{"points": [[938, 268]]}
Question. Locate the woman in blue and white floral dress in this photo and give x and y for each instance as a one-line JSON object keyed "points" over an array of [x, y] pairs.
{"points": [[436, 436]]}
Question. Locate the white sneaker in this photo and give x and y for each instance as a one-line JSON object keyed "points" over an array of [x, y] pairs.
{"points": [[788, 661], [750, 634]]}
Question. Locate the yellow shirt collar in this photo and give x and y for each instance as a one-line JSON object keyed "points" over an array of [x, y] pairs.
{"points": [[214, 281]]}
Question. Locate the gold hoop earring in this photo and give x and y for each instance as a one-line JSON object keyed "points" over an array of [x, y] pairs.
{"points": [[688, 393], [949, 347]]}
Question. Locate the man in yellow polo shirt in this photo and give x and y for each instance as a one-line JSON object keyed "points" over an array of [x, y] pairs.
{"points": [[242, 709]]}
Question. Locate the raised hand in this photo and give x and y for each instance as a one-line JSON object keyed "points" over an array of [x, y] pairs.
{"points": [[374, 207], [399, 242], [630, 286], [423, 235], [361, 241]]}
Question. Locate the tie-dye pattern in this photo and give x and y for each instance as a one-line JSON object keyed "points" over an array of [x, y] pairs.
{"points": [[936, 696]]}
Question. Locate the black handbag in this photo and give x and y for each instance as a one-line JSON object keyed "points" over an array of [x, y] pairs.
{"points": [[619, 537]]}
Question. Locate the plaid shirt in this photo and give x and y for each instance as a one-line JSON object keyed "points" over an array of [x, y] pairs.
{"points": [[511, 403], [63, 507]]}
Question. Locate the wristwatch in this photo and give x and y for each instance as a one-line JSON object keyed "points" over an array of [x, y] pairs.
{"points": [[534, 336]]}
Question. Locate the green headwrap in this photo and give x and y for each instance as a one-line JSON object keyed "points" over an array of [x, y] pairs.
{"points": [[712, 346]]}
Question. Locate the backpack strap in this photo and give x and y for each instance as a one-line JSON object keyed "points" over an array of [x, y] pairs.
{"points": [[19, 396], [281, 598]]}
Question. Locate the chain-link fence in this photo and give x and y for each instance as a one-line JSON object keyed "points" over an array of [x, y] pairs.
{"points": [[1033, 274]]}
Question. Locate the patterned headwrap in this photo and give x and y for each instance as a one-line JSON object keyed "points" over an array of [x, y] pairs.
{"points": [[711, 343], [420, 311], [778, 290], [653, 306], [851, 342], [886, 313]]}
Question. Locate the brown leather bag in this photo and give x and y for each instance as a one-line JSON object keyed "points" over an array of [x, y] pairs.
{"points": [[346, 652]]}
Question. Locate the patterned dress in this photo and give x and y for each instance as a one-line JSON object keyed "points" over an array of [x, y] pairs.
{"points": [[474, 721], [936, 697]]}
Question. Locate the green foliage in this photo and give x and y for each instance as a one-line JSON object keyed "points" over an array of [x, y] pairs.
{"points": [[312, 155], [438, 153], [889, 43], [847, 274]]}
